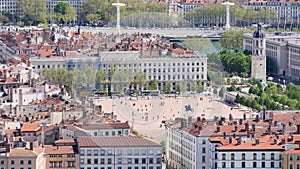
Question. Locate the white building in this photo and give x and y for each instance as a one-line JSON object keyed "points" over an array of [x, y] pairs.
{"points": [[71, 132], [176, 70], [119, 153], [245, 153], [187, 147]]}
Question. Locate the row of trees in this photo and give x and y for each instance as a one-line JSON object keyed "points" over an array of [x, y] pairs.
{"points": [[241, 15], [33, 12], [113, 80]]}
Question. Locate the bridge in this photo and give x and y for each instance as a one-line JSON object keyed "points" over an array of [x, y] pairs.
{"points": [[167, 32]]}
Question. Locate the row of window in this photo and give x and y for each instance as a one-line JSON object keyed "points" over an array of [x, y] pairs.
{"points": [[157, 64], [122, 161], [109, 152], [113, 133], [254, 156], [123, 167], [254, 165], [12, 162]]}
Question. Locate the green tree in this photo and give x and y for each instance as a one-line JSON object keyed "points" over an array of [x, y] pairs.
{"points": [[233, 39], [65, 12], [153, 84], [34, 11], [197, 44], [199, 86], [222, 92]]}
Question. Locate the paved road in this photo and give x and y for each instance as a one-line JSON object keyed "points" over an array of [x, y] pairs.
{"points": [[149, 113]]}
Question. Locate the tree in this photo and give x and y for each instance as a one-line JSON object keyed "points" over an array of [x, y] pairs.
{"points": [[197, 44], [34, 11], [199, 86], [153, 84], [222, 92], [65, 12], [233, 39]]}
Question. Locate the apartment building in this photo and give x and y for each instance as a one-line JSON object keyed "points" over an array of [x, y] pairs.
{"points": [[286, 10], [119, 152], [291, 158], [61, 156]]}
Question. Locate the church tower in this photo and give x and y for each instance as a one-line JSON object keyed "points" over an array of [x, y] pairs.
{"points": [[259, 60]]}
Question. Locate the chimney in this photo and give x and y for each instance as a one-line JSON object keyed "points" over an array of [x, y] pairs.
{"points": [[218, 129], [283, 128], [43, 133], [230, 140], [240, 121], [199, 129], [224, 135], [247, 126], [283, 141], [275, 141], [253, 127], [275, 123], [235, 128], [239, 141], [257, 142]]}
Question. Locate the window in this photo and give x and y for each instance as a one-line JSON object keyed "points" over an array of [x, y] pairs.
{"points": [[109, 161], [129, 152], [89, 152], [243, 156], [119, 160], [203, 150], [272, 164], [143, 160], [223, 164], [102, 152], [150, 160], [232, 165], [136, 152], [263, 164], [203, 159], [81, 161], [263, 156], [291, 157], [102, 160], [223, 156], [272, 156], [129, 160], [12, 162], [203, 142], [95, 161], [158, 161], [243, 165], [298, 166], [232, 156], [291, 166], [95, 152], [298, 157], [136, 161], [29, 162], [254, 156], [21, 162], [254, 165], [89, 161]]}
